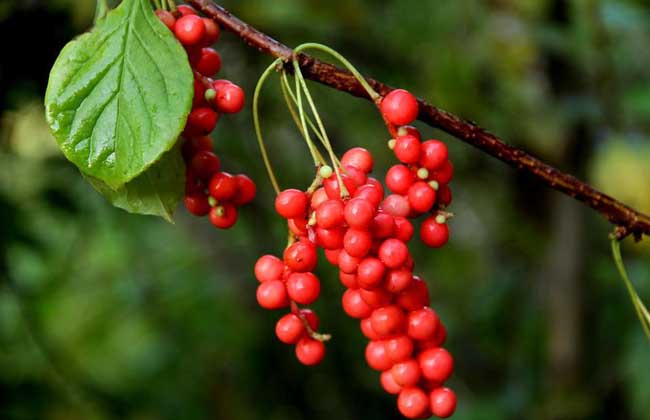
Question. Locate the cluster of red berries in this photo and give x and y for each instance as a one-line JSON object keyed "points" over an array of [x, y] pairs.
{"points": [[209, 191]]}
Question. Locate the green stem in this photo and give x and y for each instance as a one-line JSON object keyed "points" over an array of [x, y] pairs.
{"points": [[324, 48], [301, 126], [157, 5], [172, 5], [256, 122], [100, 10], [641, 311]]}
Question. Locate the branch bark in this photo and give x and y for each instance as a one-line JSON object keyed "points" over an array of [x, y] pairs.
{"points": [[627, 220]]}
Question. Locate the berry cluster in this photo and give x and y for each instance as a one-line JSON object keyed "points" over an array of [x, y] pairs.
{"points": [[209, 191]]}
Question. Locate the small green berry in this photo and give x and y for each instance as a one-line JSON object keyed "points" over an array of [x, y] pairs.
{"points": [[402, 131], [391, 144], [423, 173], [210, 94], [434, 184], [440, 219], [212, 201], [325, 171]]}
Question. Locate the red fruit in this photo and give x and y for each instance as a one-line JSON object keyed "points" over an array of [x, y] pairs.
{"points": [[223, 186], [399, 349], [198, 100], [330, 214], [303, 288], [201, 121], [223, 216], [331, 185], [298, 226], [348, 280], [196, 144], [291, 203], [399, 178], [359, 158], [444, 174], [406, 373], [310, 352], [396, 205], [415, 296], [204, 164], [403, 229], [272, 295], [209, 63], [375, 298], [399, 107], [332, 256], [383, 225], [369, 193], [359, 213], [318, 197], [347, 263], [311, 318], [185, 10], [436, 364], [443, 402], [410, 131], [289, 329], [388, 320], [444, 195], [167, 18], [389, 384], [197, 204], [398, 280], [189, 29], [268, 267], [376, 356], [422, 324], [358, 176], [412, 402], [407, 149], [367, 331], [212, 32], [421, 197], [433, 234], [246, 190], [357, 242], [230, 97], [370, 273], [329, 238], [354, 306], [434, 154], [194, 184], [301, 257], [393, 253]]}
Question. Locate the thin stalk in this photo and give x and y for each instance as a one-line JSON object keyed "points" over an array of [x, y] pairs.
{"points": [[100, 10], [157, 4], [172, 5]]}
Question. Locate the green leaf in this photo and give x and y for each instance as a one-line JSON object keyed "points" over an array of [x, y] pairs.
{"points": [[155, 192], [118, 97]]}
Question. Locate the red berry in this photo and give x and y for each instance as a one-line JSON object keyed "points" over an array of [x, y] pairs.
{"points": [[399, 349], [230, 97], [359, 213], [298, 226], [412, 403], [223, 216], [197, 204], [185, 9], [367, 331], [359, 158], [354, 306], [223, 186], [167, 18], [311, 318], [421, 197], [204, 164], [289, 329], [403, 229], [376, 356], [370, 193], [406, 373], [330, 214], [201, 121], [272, 295], [209, 62], [436, 364], [415, 296], [357, 242], [444, 195], [376, 298], [389, 384], [291, 203], [246, 190], [434, 234], [393, 253], [332, 186], [189, 29], [434, 154], [332, 256], [212, 32], [348, 280], [396, 205], [370, 273], [318, 197], [310, 352], [422, 324], [443, 402], [410, 131], [268, 267], [347, 263], [383, 225], [399, 107], [399, 179], [301, 257], [407, 149], [398, 280], [303, 288], [330, 238], [388, 320], [444, 174], [196, 144]]}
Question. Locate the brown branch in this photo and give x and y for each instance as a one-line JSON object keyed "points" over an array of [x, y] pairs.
{"points": [[627, 220]]}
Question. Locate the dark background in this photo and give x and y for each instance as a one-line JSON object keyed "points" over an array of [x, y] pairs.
{"points": [[106, 315]]}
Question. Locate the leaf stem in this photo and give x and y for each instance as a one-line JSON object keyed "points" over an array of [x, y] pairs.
{"points": [[100, 10]]}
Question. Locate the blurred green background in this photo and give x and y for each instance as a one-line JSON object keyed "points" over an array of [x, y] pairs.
{"points": [[106, 315]]}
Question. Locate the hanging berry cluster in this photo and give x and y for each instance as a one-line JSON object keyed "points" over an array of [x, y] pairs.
{"points": [[209, 190], [364, 233]]}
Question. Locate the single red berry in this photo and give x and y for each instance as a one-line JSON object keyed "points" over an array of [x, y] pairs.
{"points": [[204, 164], [412, 402], [311, 317], [197, 204], [194, 145], [399, 348], [388, 320], [406, 373], [359, 158], [357, 242], [289, 329], [422, 324], [383, 225], [399, 178], [189, 29], [444, 195], [396, 205], [434, 234], [415, 296], [444, 174], [436, 364], [194, 184], [393, 253], [212, 32], [272, 295], [223, 186], [268, 267], [443, 402], [303, 288], [330, 238], [198, 100], [186, 9], [354, 306], [347, 263], [403, 229], [376, 298], [409, 130], [230, 98], [201, 121], [421, 197], [298, 226], [359, 213], [330, 214], [223, 216], [389, 384], [291, 203], [301, 257], [376, 356], [367, 331], [167, 18], [332, 256], [358, 176], [407, 149], [370, 273], [246, 190], [209, 63], [332, 188], [399, 107], [434, 154], [370, 193], [310, 352], [348, 280], [318, 197]]}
